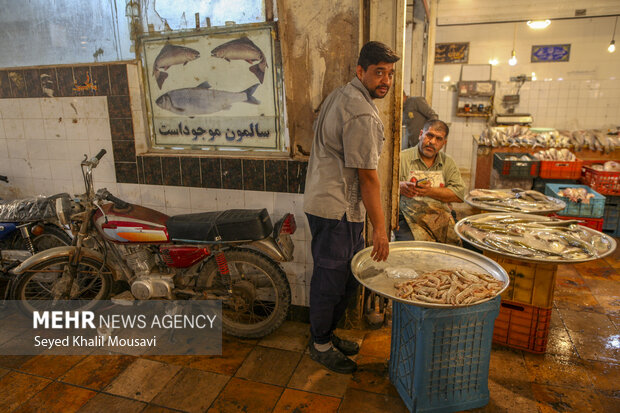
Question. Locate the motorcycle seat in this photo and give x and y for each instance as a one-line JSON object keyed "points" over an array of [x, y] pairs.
{"points": [[229, 225], [29, 209]]}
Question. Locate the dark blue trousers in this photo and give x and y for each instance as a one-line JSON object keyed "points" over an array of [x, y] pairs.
{"points": [[334, 243]]}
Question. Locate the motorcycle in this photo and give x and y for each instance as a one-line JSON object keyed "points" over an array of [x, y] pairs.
{"points": [[231, 255], [27, 226]]}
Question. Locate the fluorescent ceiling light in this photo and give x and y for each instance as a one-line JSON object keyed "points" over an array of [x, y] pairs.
{"points": [[538, 24]]}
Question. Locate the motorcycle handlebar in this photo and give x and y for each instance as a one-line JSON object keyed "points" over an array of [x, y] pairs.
{"points": [[107, 196], [100, 154], [4, 178]]}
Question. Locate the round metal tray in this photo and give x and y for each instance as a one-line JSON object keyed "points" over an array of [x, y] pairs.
{"points": [[531, 217], [422, 257], [560, 205]]}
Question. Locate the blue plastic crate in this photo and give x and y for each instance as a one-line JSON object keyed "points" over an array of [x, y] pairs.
{"points": [[439, 360], [594, 209]]}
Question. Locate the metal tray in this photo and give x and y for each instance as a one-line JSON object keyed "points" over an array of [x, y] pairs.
{"points": [[422, 257], [560, 205], [532, 217]]}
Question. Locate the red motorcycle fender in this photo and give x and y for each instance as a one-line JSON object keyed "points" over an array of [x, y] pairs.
{"points": [[66, 251]]}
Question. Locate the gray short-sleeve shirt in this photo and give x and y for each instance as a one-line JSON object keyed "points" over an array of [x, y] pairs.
{"points": [[348, 135]]}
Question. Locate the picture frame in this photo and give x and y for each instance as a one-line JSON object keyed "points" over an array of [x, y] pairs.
{"points": [[452, 52], [218, 88], [550, 53]]}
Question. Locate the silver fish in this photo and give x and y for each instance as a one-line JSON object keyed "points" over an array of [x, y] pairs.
{"points": [[243, 49], [202, 99], [170, 55]]}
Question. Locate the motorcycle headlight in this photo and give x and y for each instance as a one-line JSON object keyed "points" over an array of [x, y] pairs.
{"points": [[63, 210]]}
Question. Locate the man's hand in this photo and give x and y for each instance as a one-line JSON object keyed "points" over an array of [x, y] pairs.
{"points": [[409, 189], [380, 246]]}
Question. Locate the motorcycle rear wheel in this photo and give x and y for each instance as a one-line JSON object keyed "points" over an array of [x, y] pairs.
{"points": [[261, 294], [47, 279]]}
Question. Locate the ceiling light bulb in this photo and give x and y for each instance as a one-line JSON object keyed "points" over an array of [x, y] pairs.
{"points": [[612, 46], [493, 62], [446, 78], [538, 24], [513, 59]]}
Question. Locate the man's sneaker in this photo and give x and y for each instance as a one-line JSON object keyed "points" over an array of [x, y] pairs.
{"points": [[348, 348], [333, 359]]}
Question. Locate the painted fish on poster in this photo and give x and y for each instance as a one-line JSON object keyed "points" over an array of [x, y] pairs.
{"points": [[202, 99], [170, 55], [243, 49]]}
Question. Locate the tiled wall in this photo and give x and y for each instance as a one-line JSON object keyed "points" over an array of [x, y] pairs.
{"points": [[43, 139], [560, 104]]}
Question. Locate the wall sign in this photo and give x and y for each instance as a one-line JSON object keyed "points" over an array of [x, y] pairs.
{"points": [[550, 53], [214, 88], [451, 52]]}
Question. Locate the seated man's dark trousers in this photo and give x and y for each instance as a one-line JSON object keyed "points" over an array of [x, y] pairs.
{"points": [[334, 243]]}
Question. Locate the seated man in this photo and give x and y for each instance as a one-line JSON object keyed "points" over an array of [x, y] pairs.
{"points": [[429, 181]]}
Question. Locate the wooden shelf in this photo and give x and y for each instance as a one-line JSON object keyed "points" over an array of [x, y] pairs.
{"points": [[473, 115]]}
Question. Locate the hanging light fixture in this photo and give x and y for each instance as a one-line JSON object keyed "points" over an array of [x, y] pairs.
{"points": [[513, 57], [538, 24], [612, 44]]}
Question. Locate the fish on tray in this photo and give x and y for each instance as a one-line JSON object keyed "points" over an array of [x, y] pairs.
{"points": [[518, 200], [535, 237], [202, 99], [171, 55], [453, 287], [243, 49]]}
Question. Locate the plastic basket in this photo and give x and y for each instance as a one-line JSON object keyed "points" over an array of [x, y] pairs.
{"points": [[594, 223], [522, 326], [531, 283], [516, 169], [560, 169], [594, 209], [611, 220], [539, 183], [603, 182], [439, 360]]}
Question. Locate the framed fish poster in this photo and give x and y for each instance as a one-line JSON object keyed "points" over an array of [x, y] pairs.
{"points": [[451, 52], [550, 53], [214, 89]]}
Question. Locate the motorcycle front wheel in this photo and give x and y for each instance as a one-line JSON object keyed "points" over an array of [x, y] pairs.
{"points": [[49, 280], [260, 297]]}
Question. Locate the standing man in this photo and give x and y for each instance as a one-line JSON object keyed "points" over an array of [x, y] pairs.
{"points": [[416, 111], [429, 182], [341, 185]]}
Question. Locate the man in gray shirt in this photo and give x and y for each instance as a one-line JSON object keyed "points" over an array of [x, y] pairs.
{"points": [[416, 111], [341, 185]]}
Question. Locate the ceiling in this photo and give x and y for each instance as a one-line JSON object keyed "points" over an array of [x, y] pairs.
{"points": [[457, 12]]}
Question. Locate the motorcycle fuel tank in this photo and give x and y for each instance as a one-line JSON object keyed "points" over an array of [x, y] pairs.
{"points": [[135, 224]]}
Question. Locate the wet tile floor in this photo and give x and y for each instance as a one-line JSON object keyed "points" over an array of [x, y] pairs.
{"points": [[580, 371]]}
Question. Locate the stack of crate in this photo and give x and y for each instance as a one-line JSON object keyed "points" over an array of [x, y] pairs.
{"points": [[525, 310], [590, 214], [605, 183]]}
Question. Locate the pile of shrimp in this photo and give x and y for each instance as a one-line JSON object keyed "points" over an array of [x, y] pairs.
{"points": [[455, 287]]}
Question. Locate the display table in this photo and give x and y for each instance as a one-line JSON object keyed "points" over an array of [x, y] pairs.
{"points": [[482, 163]]}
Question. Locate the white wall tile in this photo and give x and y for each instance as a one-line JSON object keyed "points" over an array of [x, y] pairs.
{"points": [[51, 108], [76, 128], [230, 199], [17, 148], [129, 193], [54, 128], [37, 149], [57, 150], [14, 128], [98, 129], [31, 108], [177, 197], [61, 170], [9, 109], [20, 168], [153, 195], [203, 199], [178, 211], [259, 200]]}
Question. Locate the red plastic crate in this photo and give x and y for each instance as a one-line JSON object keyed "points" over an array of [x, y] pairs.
{"points": [[560, 169], [594, 223], [603, 182], [522, 326]]}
